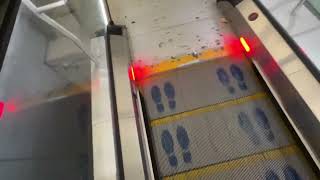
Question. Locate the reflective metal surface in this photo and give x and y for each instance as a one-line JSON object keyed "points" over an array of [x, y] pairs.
{"points": [[194, 121], [300, 18], [104, 150], [126, 113], [289, 80], [45, 97]]}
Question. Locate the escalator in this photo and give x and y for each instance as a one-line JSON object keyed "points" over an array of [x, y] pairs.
{"points": [[148, 89], [217, 120], [212, 113]]}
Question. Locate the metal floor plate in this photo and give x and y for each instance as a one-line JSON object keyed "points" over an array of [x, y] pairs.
{"points": [[208, 116], [210, 120], [193, 87]]}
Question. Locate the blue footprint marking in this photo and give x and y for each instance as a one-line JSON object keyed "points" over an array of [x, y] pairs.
{"points": [[170, 93], [263, 123], [156, 97], [167, 145], [184, 143], [225, 80], [291, 174], [237, 73], [270, 175], [246, 125]]}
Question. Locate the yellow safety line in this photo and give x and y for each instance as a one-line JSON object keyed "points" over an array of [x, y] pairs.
{"points": [[210, 108], [174, 63], [233, 164]]}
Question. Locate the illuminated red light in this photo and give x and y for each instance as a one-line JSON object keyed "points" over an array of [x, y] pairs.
{"points": [[132, 74], [138, 71], [11, 107], [1, 109], [245, 44]]}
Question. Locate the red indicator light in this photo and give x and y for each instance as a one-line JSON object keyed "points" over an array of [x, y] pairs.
{"points": [[1, 109], [245, 44], [131, 74], [137, 71]]}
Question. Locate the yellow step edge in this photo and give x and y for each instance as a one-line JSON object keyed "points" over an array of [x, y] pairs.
{"points": [[233, 164], [174, 63], [210, 108]]}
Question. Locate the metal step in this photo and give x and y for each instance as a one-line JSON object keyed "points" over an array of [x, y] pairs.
{"points": [[214, 120]]}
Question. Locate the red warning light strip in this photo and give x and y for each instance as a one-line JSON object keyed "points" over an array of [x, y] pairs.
{"points": [[245, 44], [1, 109], [132, 73]]}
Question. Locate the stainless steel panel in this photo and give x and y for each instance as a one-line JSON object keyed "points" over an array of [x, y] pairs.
{"points": [[130, 142], [104, 151], [277, 63], [301, 23]]}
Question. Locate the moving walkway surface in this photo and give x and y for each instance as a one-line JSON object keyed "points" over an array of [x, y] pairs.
{"points": [[209, 115], [216, 120]]}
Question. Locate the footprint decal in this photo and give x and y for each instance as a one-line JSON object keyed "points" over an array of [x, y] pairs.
{"points": [[168, 147], [170, 93], [184, 143], [237, 73], [248, 128], [225, 80], [263, 123], [291, 174], [270, 175], [156, 97]]}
